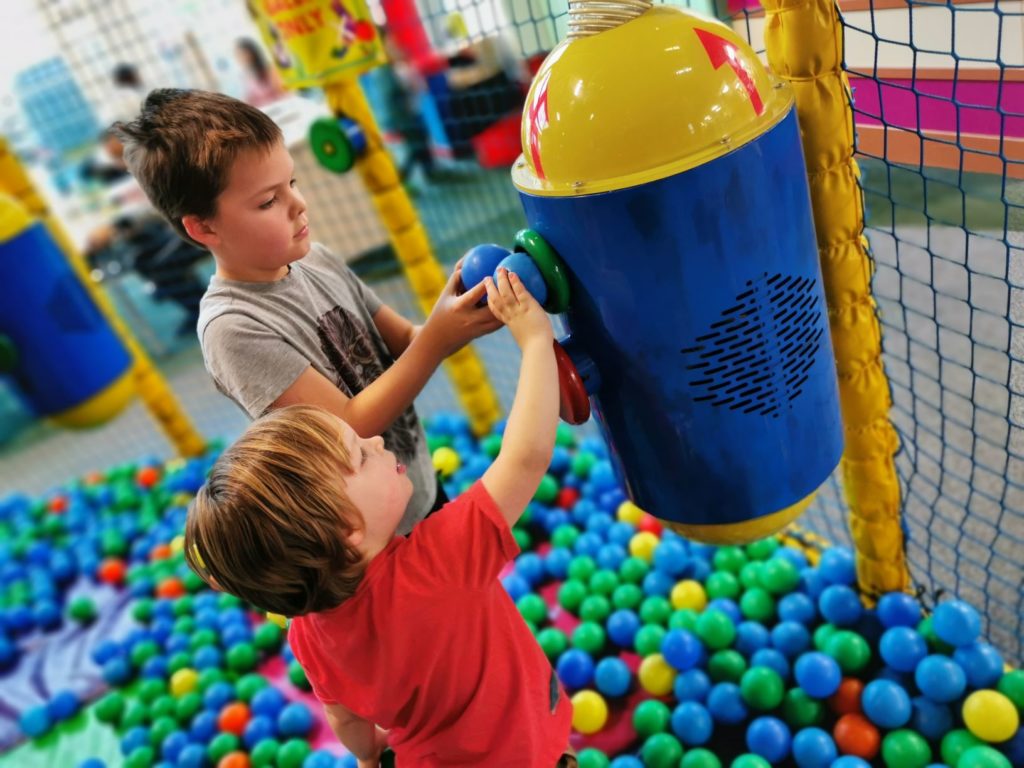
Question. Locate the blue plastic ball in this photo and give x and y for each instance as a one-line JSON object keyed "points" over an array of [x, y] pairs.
{"points": [[612, 677], [319, 759], [479, 262], [621, 533], [63, 705], [268, 702], [840, 605], [897, 609], [135, 738], [523, 265], [622, 627], [218, 696], [92, 762], [1014, 748], [671, 557], [575, 668], [886, 704], [849, 761], [692, 723], [173, 745], [204, 727], [726, 705], [931, 720], [46, 615], [8, 653], [818, 674], [117, 671], [295, 720], [982, 664], [207, 657], [627, 761], [771, 658], [902, 648], [681, 649], [728, 607], [692, 685], [557, 562], [658, 583], [588, 544], [154, 668], [837, 566], [751, 636], [516, 586], [193, 756], [812, 583], [611, 556], [769, 737], [259, 728], [530, 566], [790, 638], [35, 721], [956, 622], [814, 748], [796, 606], [940, 679]]}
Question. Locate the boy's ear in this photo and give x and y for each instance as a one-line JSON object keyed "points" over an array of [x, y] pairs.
{"points": [[355, 537], [199, 229]]}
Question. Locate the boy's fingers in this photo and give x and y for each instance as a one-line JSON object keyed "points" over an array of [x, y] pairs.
{"points": [[474, 294]]}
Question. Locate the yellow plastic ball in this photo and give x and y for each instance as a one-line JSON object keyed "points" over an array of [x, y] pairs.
{"points": [[178, 544], [656, 675], [589, 712], [630, 513], [642, 545], [446, 461], [689, 594], [991, 716], [184, 681], [277, 618]]}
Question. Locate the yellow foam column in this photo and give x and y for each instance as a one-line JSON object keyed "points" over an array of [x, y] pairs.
{"points": [[412, 246], [154, 390], [804, 39]]}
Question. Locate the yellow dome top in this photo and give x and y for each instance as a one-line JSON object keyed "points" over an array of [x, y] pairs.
{"points": [[656, 96]]}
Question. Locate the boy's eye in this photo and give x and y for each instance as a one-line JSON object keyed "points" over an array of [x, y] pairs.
{"points": [[362, 455], [269, 203]]}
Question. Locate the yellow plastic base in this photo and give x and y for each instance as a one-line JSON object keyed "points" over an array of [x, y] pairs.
{"points": [[102, 407], [742, 533]]}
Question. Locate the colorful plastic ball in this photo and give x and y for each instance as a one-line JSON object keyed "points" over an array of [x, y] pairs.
{"points": [[902, 648], [293, 753], [575, 668], [886, 704], [522, 265], [63, 705], [770, 738], [850, 761], [295, 720], [692, 723], [801, 711], [259, 727], [627, 761], [769, 657], [751, 637], [905, 749], [670, 556], [35, 721], [749, 761], [662, 750], [681, 649], [898, 609], [117, 671], [837, 566], [590, 758], [940, 678], [589, 711], [613, 677], [725, 703], [813, 748], [692, 685], [715, 629], [856, 735], [651, 716], [990, 716], [983, 757], [790, 638], [1011, 685], [798, 607], [689, 594], [930, 719], [840, 605], [83, 610], [642, 545], [552, 641], [982, 664], [92, 762], [589, 636], [726, 666], [762, 688], [956, 622], [233, 718], [818, 674], [648, 639], [656, 675], [850, 650], [657, 583], [700, 758]]}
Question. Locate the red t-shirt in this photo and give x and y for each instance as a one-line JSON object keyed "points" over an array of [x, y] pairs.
{"points": [[431, 647]]}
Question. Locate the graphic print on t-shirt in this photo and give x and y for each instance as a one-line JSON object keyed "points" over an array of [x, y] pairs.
{"points": [[358, 359]]}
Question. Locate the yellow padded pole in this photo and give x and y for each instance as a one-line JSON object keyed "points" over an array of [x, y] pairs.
{"points": [[154, 390], [412, 246], [804, 40]]}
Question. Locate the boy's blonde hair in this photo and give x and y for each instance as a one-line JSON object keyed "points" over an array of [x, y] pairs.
{"points": [[182, 146], [272, 523]]}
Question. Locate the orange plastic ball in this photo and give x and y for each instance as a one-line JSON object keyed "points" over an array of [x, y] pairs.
{"points": [[170, 588], [112, 571], [160, 552], [58, 504], [234, 760], [233, 718], [846, 700], [147, 476], [650, 524], [855, 735]]}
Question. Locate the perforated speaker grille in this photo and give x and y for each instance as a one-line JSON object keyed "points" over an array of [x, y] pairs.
{"points": [[757, 357]]}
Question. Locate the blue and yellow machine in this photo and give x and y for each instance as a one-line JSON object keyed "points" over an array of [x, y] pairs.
{"points": [[663, 164]]}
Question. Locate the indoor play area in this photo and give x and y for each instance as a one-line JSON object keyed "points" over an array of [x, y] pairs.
{"points": [[782, 247]]}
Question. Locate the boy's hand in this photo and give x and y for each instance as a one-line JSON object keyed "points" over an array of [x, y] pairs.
{"points": [[513, 305], [456, 319], [380, 743]]}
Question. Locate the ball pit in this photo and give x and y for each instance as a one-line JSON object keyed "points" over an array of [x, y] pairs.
{"points": [[674, 653]]}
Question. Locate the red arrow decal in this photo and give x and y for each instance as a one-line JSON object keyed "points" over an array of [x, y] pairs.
{"points": [[537, 113], [721, 51]]}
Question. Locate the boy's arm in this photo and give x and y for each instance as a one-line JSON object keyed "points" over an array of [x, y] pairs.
{"points": [[529, 437], [361, 737], [396, 331]]}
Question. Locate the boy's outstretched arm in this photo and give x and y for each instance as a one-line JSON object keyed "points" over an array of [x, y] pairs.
{"points": [[361, 737], [529, 437], [455, 320]]}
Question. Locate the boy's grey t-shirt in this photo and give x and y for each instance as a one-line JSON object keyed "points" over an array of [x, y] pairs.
{"points": [[258, 338]]}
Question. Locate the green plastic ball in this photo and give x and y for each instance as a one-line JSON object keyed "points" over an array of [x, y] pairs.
{"points": [[547, 490], [822, 635], [208, 677], [249, 685], [750, 761], [142, 611], [161, 728], [293, 753], [140, 757], [983, 757], [757, 604], [143, 652], [180, 660], [850, 650], [715, 629], [633, 570], [655, 610], [684, 618], [1011, 685], [571, 594], [532, 608], [603, 582], [648, 639], [522, 537], [650, 717], [151, 689], [627, 596], [801, 711], [552, 641], [731, 559], [595, 608], [905, 749], [762, 549], [662, 750], [592, 758], [581, 568], [187, 706], [762, 688], [109, 708], [582, 463], [264, 754], [726, 666], [589, 636], [955, 743], [779, 576], [297, 676], [565, 536], [163, 706], [82, 610], [750, 574], [700, 758], [564, 436], [135, 713], [722, 584], [202, 638], [491, 445]]}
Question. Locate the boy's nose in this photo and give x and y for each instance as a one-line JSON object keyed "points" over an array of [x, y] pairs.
{"points": [[378, 442]]}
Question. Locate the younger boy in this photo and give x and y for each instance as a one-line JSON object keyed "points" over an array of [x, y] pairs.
{"points": [[407, 641], [284, 321]]}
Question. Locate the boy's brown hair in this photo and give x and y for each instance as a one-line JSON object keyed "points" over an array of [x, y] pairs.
{"points": [[271, 524], [183, 144]]}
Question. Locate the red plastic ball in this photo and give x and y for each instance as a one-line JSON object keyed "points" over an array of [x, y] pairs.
{"points": [[147, 476], [650, 523], [58, 505], [567, 498], [846, 700], [233, 718], [170, 588], [855, 735], [363, 30], [160, 552], [112, 571]]}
